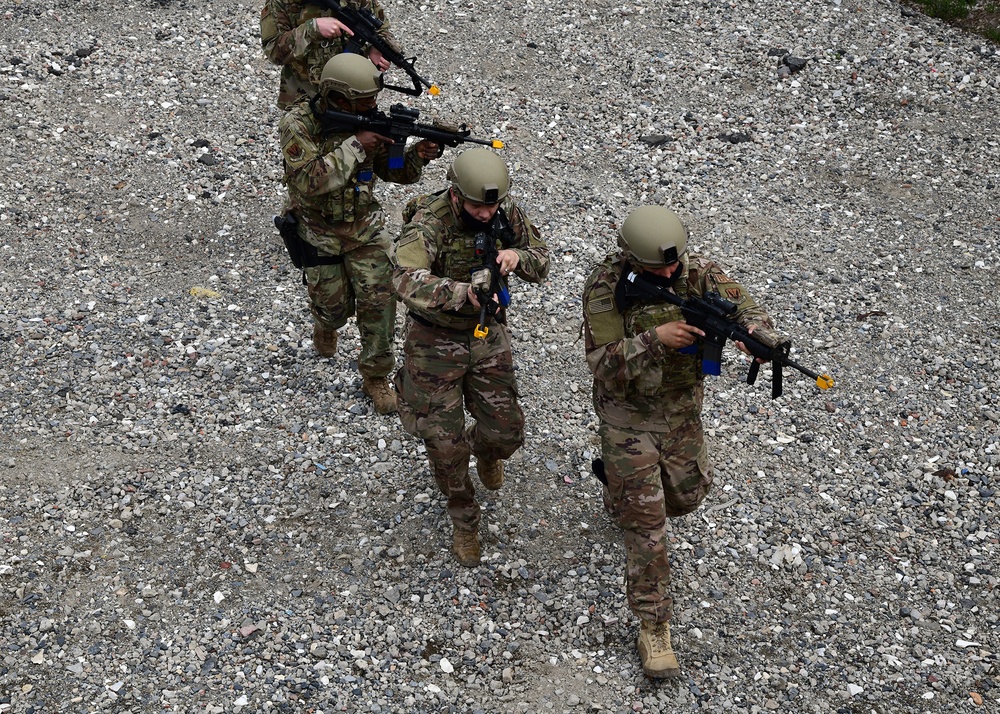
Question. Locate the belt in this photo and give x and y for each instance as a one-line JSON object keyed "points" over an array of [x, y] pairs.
{"points": [[434, 326]]}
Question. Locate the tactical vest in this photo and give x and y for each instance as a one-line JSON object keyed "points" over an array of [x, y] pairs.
{"points": [[677, 371], [355, 201], [456, 257]]}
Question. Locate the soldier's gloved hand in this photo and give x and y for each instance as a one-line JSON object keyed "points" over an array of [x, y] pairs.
{"points": [[481, 280], [768, 336], [447, 126]]}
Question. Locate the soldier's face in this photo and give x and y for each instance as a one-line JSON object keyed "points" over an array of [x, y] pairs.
{"points": [[358, 106], [481, 211], [665, 271]]}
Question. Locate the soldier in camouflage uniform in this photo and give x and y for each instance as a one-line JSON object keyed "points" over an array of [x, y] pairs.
{"points": [[445, 364], [648, 397], [331, 179], [301, 37]]}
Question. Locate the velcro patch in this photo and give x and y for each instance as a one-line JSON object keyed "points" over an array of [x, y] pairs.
{"points": [[734, 294], [601, 304], [409, 252]]}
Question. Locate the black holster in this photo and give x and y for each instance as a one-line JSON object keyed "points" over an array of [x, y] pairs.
{"points": [[302, 253], [597, 466]]}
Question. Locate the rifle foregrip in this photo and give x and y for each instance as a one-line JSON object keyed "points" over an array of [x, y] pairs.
{"points": [[759, 349]]}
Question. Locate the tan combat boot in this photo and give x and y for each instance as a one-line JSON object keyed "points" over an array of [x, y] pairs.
{"points": [[325, 341], [490, 472], [382, 395], [658, 658], [465, 546]]}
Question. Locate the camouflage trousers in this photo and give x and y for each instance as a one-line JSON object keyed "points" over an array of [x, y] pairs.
{"points": [[362, 283], [445, 373], [653, 476]]}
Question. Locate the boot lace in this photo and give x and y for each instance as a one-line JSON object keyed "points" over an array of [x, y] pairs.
{"points": [[660, 636]]}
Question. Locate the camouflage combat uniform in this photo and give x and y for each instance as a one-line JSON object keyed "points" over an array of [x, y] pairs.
{"points": [[649, 399], [290, 38], [444, 364], [330, 182]]}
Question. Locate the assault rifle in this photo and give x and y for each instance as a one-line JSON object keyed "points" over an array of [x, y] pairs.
{"points": [[714, 315], [365, 26], [400, 124], [486, 279]]}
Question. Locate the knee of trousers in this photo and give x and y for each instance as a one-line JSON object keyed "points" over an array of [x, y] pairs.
{"points": [[331, 297], [430, 415], [503, 442], [448, 458], [687, 473], [680, 502], [500, 428]]}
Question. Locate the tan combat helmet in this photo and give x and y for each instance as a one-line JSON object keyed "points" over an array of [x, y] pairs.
{"points": [[480, 176], [351, 76], [653, 236]]}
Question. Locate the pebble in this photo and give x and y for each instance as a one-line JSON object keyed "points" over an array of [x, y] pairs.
{"points": [[164, 412]]}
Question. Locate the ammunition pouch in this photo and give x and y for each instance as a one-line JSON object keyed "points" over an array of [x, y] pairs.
{"points": [[302, 253]]}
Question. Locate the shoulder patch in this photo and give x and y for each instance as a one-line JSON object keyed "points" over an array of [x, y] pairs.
{"points": [[293, 150], [602, 318], [601, 304], [268, 27], [725, 285], [408, 250]]}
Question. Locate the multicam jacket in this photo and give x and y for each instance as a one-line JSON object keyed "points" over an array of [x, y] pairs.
{"points": [[290, 38], [640, 383], [435, 257], [331, 179]]}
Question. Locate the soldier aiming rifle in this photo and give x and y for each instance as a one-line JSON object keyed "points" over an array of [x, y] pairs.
{"points": [[655, 323], [398, 126], [364, 30]]}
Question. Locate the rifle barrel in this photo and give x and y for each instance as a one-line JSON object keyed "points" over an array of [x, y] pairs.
{"points": [[823, 381]]}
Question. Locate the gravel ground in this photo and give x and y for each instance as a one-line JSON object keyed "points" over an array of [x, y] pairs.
{"points": [[200, 515]]}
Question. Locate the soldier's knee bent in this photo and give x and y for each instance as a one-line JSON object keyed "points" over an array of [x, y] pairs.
{"points": [[504, 442], [331, 298], [333, 314], [681, 504]]}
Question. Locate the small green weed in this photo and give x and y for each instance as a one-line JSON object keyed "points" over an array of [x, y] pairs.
{"points": [[947, 9], [979, 16]]}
